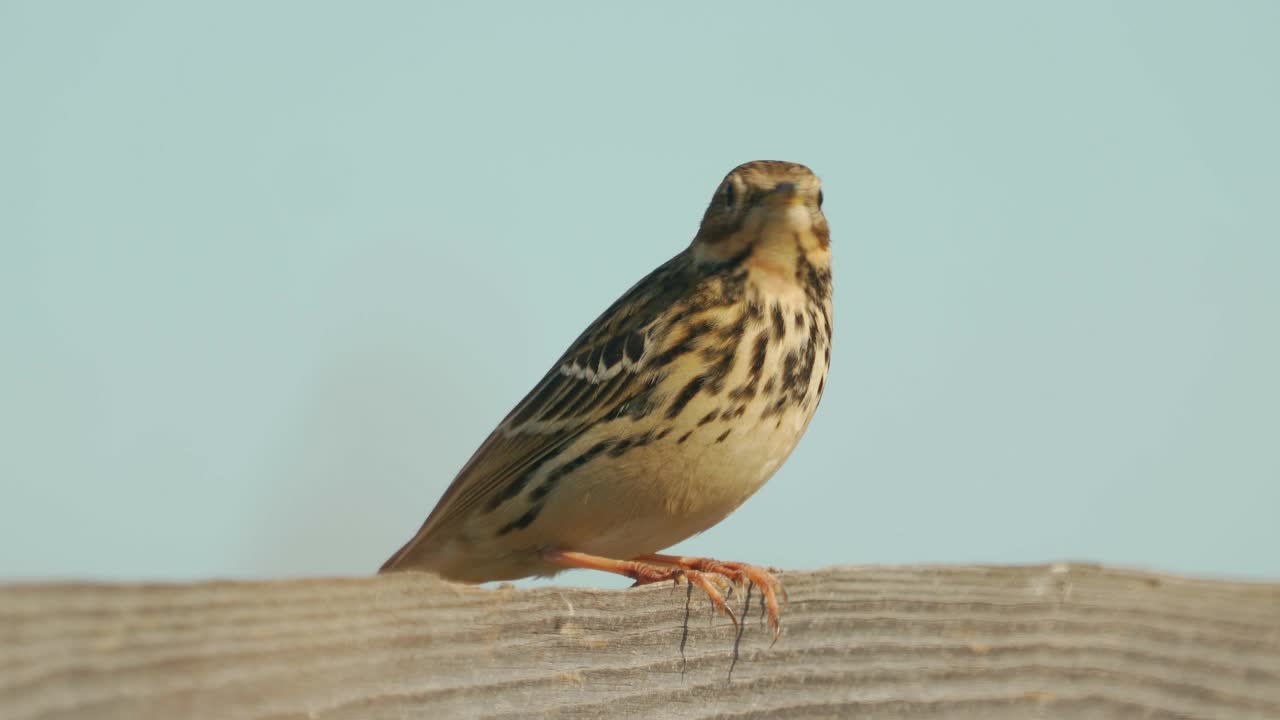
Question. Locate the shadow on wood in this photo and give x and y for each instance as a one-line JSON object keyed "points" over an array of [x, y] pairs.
{"points": [[885, 642]]}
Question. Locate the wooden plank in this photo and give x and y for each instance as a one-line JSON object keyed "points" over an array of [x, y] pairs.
{"points": [[884, 642]]}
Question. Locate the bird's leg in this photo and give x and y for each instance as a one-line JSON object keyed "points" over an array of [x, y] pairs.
{"points": [[643, 572], [737, 572]]}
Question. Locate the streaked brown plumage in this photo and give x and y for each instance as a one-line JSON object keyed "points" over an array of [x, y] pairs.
{"points": [[667, 413]]}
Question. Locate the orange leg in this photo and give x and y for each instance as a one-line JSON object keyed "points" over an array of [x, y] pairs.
{"points": [[739, 573], [643, 572]]}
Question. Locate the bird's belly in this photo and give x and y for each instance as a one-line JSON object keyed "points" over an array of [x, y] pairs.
{"points": [[643, 501]]}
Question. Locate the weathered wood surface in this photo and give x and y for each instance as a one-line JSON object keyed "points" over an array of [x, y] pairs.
{"points": [[876, 642]]}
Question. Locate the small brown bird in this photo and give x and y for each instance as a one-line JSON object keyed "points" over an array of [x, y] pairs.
{"points": [[665, 415]]}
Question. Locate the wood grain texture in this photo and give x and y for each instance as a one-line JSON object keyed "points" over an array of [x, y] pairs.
{"points": [[878, 642]]}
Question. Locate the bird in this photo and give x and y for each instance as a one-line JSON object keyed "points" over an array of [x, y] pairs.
{"points": [[667, 413]]}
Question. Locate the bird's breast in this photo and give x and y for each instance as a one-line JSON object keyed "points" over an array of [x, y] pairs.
{"points": [[736, 413]]}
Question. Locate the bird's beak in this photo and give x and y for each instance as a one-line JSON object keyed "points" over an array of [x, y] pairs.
{"points": [[783, 195]]}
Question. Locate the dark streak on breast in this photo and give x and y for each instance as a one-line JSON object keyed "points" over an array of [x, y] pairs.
{"points": [[794, 376], [686, 394], [816, 283], [779, 322], [759, 352], [686, 344], [716, 374]]}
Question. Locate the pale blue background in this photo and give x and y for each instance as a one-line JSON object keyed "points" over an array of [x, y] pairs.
{"points": [[271, 271]]}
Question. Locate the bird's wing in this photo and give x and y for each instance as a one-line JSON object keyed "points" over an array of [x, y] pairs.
{"points": [[600, 376], [569, 400]]}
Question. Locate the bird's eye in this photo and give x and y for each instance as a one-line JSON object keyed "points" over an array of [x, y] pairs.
{"points": [[728, 195], [819, 198]]}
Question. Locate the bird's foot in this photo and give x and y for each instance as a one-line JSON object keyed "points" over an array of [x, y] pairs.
{"points": [[737, 573], [646, 572]]}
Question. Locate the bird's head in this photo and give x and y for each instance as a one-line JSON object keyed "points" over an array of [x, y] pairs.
{"points": [[767, 213]]}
